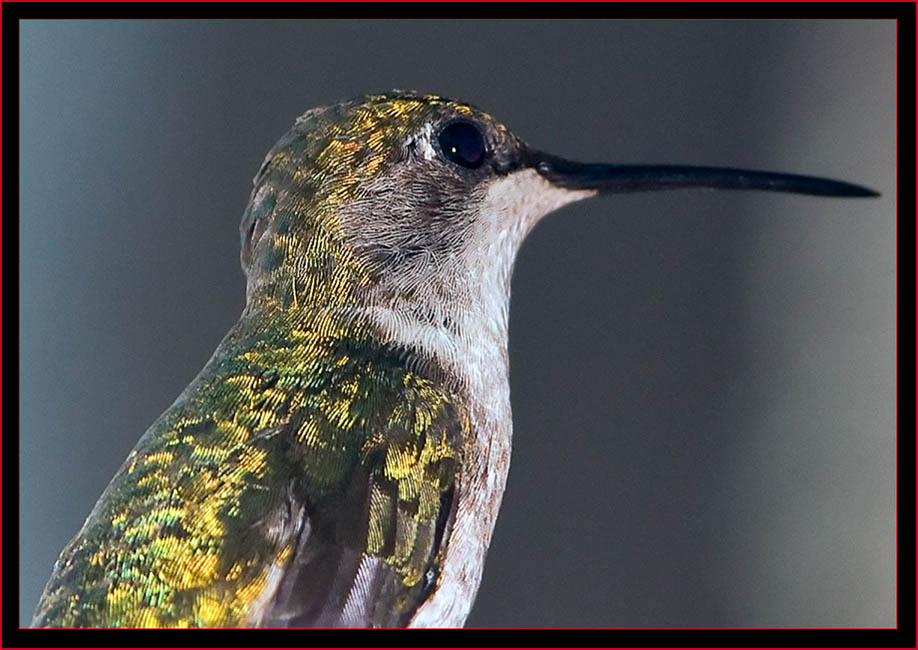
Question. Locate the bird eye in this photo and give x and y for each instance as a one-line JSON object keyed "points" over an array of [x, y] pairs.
{"points": [[462, 143]]}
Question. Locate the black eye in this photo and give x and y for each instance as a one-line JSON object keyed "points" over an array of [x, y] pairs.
{"points": [[462, 143]]}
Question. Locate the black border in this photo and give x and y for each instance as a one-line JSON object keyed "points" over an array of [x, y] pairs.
{"points": [[395, 10], [903, 636]]}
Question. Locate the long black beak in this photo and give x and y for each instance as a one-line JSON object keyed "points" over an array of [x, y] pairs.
{"points": [[612, 179]]}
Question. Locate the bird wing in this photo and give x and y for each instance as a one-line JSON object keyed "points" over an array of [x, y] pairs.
{"points": [[302, 480]]}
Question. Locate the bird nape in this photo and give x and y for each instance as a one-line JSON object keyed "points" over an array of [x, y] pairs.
{"points": [[340, 460]]}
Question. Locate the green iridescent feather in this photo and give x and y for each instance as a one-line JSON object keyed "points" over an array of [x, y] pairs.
{"points": [[300, 450]]}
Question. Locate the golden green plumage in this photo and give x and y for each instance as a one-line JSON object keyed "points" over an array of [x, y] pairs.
{"points": [[325, 162], [289, 410]]}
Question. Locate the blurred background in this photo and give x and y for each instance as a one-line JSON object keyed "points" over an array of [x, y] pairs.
{"points": [[703, 382]]}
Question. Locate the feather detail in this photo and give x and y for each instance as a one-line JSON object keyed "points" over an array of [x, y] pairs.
{"points": [[305, 478]]}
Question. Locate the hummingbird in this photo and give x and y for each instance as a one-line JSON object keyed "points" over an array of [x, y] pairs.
{"points": [[341, 458]]}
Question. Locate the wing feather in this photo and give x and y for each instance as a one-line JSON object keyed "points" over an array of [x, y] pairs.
{"points": [[301, 480]]}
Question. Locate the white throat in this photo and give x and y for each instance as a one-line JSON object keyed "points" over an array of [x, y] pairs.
{"points": [[475, 350]]}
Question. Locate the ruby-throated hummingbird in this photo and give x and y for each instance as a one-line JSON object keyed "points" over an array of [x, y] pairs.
{"points": [[340, 460]]}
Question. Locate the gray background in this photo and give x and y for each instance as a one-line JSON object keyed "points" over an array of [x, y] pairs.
{"points": [[703, 382]]}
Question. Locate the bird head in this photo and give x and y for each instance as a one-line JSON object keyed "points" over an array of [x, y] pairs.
{"points": [[413, 207]]}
